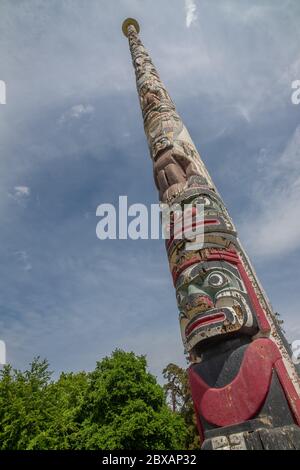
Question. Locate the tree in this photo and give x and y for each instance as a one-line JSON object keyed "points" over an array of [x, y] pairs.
{"points": [[125, 408], [176, 387], [119, 405], [24, 409], [65, 398], [179, 397]]}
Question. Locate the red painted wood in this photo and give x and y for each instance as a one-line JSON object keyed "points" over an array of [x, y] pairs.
{"points": [[176, 273], [233, 258], [241, 399], [210, 319], [261, 316], [289, 390]]}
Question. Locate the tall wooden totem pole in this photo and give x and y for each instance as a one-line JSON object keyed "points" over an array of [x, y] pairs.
{"points": [[244, 385]]}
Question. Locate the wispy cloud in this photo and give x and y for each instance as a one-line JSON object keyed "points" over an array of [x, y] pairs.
{"points": [[21, 191], [20, 194], [277, 218], [190, 12], [76, 112], [23, 259], [243, 111]]}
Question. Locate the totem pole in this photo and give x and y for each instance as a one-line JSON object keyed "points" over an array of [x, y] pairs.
{"points": [[244, 385]]}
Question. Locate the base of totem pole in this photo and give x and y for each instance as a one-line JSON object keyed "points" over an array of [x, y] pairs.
{"points": [[281, 438]]}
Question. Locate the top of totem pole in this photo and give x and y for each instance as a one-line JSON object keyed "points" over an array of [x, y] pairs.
{"points": [[130, 22]]}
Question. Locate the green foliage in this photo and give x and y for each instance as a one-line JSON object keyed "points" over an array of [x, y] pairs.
{"points": [[23, 405], [36, 413], [127, 407], [178, 394], [119, 405]]}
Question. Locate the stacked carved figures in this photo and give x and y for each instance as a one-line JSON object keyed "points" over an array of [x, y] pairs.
{"points": [[244, 385]]}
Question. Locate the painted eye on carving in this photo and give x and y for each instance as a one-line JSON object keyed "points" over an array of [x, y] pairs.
{"points": [[206, 201], [217, 280], [181, 294]]}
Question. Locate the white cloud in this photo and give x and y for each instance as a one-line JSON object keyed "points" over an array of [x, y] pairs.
{"points": [[275, 227], [76, 112], [20, 194], [190, 12], [79, 109], [243, 111], [21, 191], [23, 259]]}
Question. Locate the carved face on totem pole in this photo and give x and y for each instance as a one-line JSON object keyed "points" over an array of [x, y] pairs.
{"points": [[211, 292], [213, 302]]}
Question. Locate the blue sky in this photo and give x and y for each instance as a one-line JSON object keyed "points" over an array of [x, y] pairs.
{"points": [[72, 138]]}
